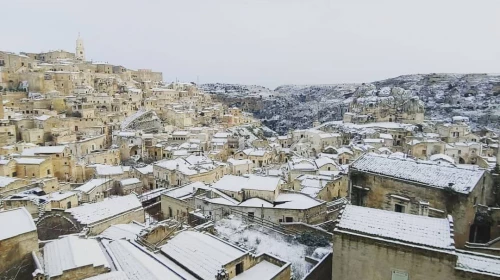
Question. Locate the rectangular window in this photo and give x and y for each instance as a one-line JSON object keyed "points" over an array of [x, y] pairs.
{"points": [[289, 219], [399, 208]]}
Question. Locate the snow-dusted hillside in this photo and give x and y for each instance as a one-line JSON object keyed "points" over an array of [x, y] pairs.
{"points": [[235, 90], [476, 96]]}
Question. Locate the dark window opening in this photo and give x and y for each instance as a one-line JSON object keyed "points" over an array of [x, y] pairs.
{"points": [[239, 268], [399, 208]]}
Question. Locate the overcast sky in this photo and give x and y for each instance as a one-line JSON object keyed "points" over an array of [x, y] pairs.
{"points": [[265, 42]]}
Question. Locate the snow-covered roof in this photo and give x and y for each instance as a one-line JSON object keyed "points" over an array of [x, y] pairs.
{"points": [[122, 231], [393, 226], [201, 253], [184, 191], [262, 270], [385, 150], [148, 169], [321, 161], [108, 170], [126, 133], [72, 252], [385, 136], [478, 263], [5, 181], [370, 140], [222, 135], [444, 157], [186, 168], [296, 201], [251, 182], [180, 133], [43, 150], [92, 184], [423, 172], [95, 212], [42, 117], [239, 162], [30, 160], [256, 202], [129, 181], [138, 264], [58, 196], [15, 222]]}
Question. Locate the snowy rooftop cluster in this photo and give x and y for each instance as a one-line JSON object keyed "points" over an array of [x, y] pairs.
{"points": [[423, 172], [188, 166], [393, 226]]}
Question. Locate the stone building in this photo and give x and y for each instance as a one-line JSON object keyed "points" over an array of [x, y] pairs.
{"points": [[72, 257], [18, 239], [422, 188], [392, 245]]}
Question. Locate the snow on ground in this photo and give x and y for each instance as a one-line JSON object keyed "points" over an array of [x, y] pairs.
{"points": [[262, 240]]}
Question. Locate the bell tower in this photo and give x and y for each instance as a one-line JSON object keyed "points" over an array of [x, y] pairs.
{"points": [[80, 50]]}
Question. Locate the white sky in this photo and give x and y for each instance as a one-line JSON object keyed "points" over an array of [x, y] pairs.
{"points": [[266, 42]]}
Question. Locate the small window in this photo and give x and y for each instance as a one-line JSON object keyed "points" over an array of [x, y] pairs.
{"points": [[399, 208], [48, 171], [289, 219]]}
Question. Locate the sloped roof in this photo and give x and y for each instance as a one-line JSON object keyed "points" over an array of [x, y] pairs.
{"points": [[394, 226], [15, 222], [92, 184], [423, 172], [95, 212], [201, 253], [71, 252]]}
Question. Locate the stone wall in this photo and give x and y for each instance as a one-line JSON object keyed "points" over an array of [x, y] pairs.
{"points": [[385, 191], [15, 255], [83, 272], [322, 270], [357, 257]]}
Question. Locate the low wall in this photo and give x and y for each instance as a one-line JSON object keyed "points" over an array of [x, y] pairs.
{"points": [[322, 270]]}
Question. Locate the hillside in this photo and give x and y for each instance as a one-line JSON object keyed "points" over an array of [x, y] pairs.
{"points": [[476, 96]]}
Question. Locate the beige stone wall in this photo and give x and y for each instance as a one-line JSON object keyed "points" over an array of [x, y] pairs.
{"points": [[175, 208], [42, 170], [63, 204], [34, 135], [16, 249], [8, 170], [104, 157], [10, 131], [357, 257], [81, 273], [336, 189]]}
